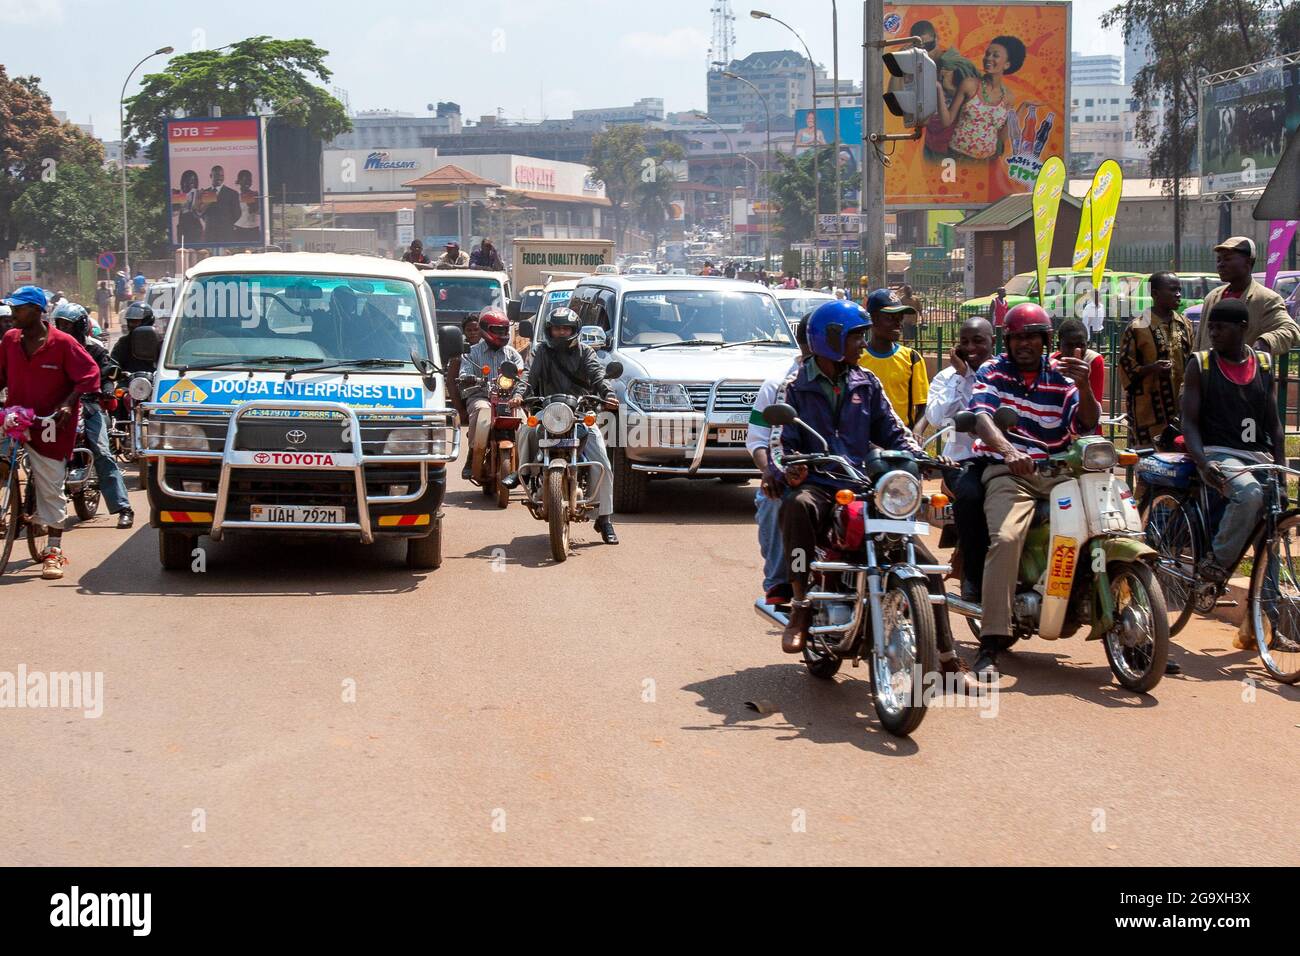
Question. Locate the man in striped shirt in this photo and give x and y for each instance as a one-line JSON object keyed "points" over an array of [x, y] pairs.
{"points": [[1054, 403]]}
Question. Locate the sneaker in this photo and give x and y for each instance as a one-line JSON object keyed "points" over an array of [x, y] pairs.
{"points": [[52, 562], [606, 529], [125, 518], [1172, 668], [510, 481]]}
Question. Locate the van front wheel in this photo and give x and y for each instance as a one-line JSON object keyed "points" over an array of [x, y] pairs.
{"points": [[425, 554]]}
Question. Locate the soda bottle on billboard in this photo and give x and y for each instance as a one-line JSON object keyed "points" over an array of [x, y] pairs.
{"points": [[1031, 120], [1040, 142]]}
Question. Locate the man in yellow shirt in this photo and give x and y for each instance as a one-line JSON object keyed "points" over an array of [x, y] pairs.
{"points": [[901, 369]]}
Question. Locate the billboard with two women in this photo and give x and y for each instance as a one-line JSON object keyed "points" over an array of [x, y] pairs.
{"points": [[1003, 107], [214, 171]]}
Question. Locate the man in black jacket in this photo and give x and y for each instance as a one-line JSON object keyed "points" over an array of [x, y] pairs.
{"points": [[564, 366]]}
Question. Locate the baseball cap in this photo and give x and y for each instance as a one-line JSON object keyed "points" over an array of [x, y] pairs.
{"points": [[28, 295], [1240, 244], [886, 301]]}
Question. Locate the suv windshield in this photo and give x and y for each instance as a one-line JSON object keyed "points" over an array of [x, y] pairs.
{"points": [[268, 320], [796, 308], [709, 315], [455, 297]]}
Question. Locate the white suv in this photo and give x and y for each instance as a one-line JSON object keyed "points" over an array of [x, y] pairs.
{"points": [[694, 350]]}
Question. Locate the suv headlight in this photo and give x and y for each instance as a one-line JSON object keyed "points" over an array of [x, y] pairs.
{"points": [[557, 418], [898, 494], [407, 441], [181, 437], [1099, 456], [659, 396]]}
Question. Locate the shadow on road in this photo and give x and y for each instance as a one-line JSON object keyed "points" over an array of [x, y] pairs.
{"points": [[247, 567], [802, 708]]}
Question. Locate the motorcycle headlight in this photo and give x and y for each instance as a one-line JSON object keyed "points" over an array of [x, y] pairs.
{"points": [[407, 441], [659, 396], [1099, 456], [177, 436], [898, 494], [557, 418], [140, 388], [505, 383]]}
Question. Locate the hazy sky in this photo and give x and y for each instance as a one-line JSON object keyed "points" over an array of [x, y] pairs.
{"points": [[527, 57]]}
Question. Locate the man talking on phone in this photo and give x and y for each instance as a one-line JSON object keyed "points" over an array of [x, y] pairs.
{"points": [[1054, 403]]}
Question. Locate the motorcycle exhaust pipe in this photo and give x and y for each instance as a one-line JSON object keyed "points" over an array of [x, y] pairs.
{"points": [[964, 608]]}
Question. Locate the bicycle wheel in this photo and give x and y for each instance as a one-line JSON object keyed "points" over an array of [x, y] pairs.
{"points": [[10, 517], [1274, 606], [1171, 530]]}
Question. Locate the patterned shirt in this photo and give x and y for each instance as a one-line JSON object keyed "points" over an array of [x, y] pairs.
{"points": [[1046, 407]]}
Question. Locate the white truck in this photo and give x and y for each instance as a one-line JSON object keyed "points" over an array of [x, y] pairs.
{"points": [[535, 260]]}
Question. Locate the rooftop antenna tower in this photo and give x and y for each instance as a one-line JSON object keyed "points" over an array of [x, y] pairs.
{"points": [[724, 34]]}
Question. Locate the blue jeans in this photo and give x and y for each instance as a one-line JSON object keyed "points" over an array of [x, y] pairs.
{"points": [[1245, 501], [111, 483], [768, 513]]}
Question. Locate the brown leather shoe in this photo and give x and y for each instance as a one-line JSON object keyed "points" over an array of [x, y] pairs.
{"points": [[796, 632], [957, 665]]}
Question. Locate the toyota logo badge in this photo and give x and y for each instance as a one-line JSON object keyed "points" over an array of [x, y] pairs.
{"points": [[296, 437], [749, 398], [261, 458]]}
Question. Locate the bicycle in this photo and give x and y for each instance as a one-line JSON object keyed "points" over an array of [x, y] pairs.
{"points": [[1178, 517], [18, 504]]}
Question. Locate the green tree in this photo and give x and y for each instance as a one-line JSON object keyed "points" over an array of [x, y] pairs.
{"points": [[1190, 39], [251, 76], [792, 191], [73, 216], [632, 170], [35, 147]]}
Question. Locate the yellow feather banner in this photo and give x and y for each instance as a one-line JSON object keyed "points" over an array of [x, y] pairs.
{"points": [[1048, 188]]}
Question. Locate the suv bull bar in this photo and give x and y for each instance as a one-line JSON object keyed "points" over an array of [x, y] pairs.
{"points": [[353, 461]]}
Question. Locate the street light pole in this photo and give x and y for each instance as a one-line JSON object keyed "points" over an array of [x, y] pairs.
{"points": [[812, 69], [839, 190], [731, 191], [767, 165], [121, 134]]}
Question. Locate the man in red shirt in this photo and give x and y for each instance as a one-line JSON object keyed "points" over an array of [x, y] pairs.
{"points": [[47, 371]]}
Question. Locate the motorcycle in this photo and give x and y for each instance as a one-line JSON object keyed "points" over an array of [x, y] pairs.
{"points": [[870, 596], [502, 454], [1085, 563], [558, 488]]}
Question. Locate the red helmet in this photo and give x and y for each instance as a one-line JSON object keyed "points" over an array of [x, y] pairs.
{"points": [[1026, 318], [495, 327]]}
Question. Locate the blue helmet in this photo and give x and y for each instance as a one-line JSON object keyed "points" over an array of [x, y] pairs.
{"points": [[830, 325]]}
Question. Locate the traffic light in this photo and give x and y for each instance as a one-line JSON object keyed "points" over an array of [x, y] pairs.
{"points": [[916, 99]]}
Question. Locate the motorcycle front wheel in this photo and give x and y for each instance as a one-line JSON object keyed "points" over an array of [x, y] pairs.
{"points": [[557, 513], [10, 517], [86, 502], [1137, 644], [907, 618], [505, 468]]}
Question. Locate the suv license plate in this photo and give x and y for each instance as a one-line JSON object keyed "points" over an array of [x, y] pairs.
{"points": [[732, 436], [298, 514]]}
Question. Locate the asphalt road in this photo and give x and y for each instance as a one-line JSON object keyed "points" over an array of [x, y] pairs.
{"points": [[317, 703]]}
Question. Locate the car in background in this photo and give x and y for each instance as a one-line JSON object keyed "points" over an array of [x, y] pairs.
{"points": [[460, 293], [796, 303], [554, 296], [640, 269], [161, 297], [530, 302], [1125, 294], [1287, 285]]}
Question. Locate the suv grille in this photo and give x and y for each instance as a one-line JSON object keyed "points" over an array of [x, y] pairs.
{"points": [[731, 397]]}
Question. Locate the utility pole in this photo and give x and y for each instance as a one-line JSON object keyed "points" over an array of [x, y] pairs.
{"points": [[873, 121], [839, 190]]}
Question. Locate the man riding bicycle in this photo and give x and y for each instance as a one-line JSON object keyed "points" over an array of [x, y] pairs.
{"points": [[47, 371]]}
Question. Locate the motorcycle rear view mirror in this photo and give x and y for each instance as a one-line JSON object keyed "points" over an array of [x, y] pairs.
{"points": [[964, 422], [451, 341], [1005, 418], [779, 414], [145, 344], [614, 370], [525, 329]]}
